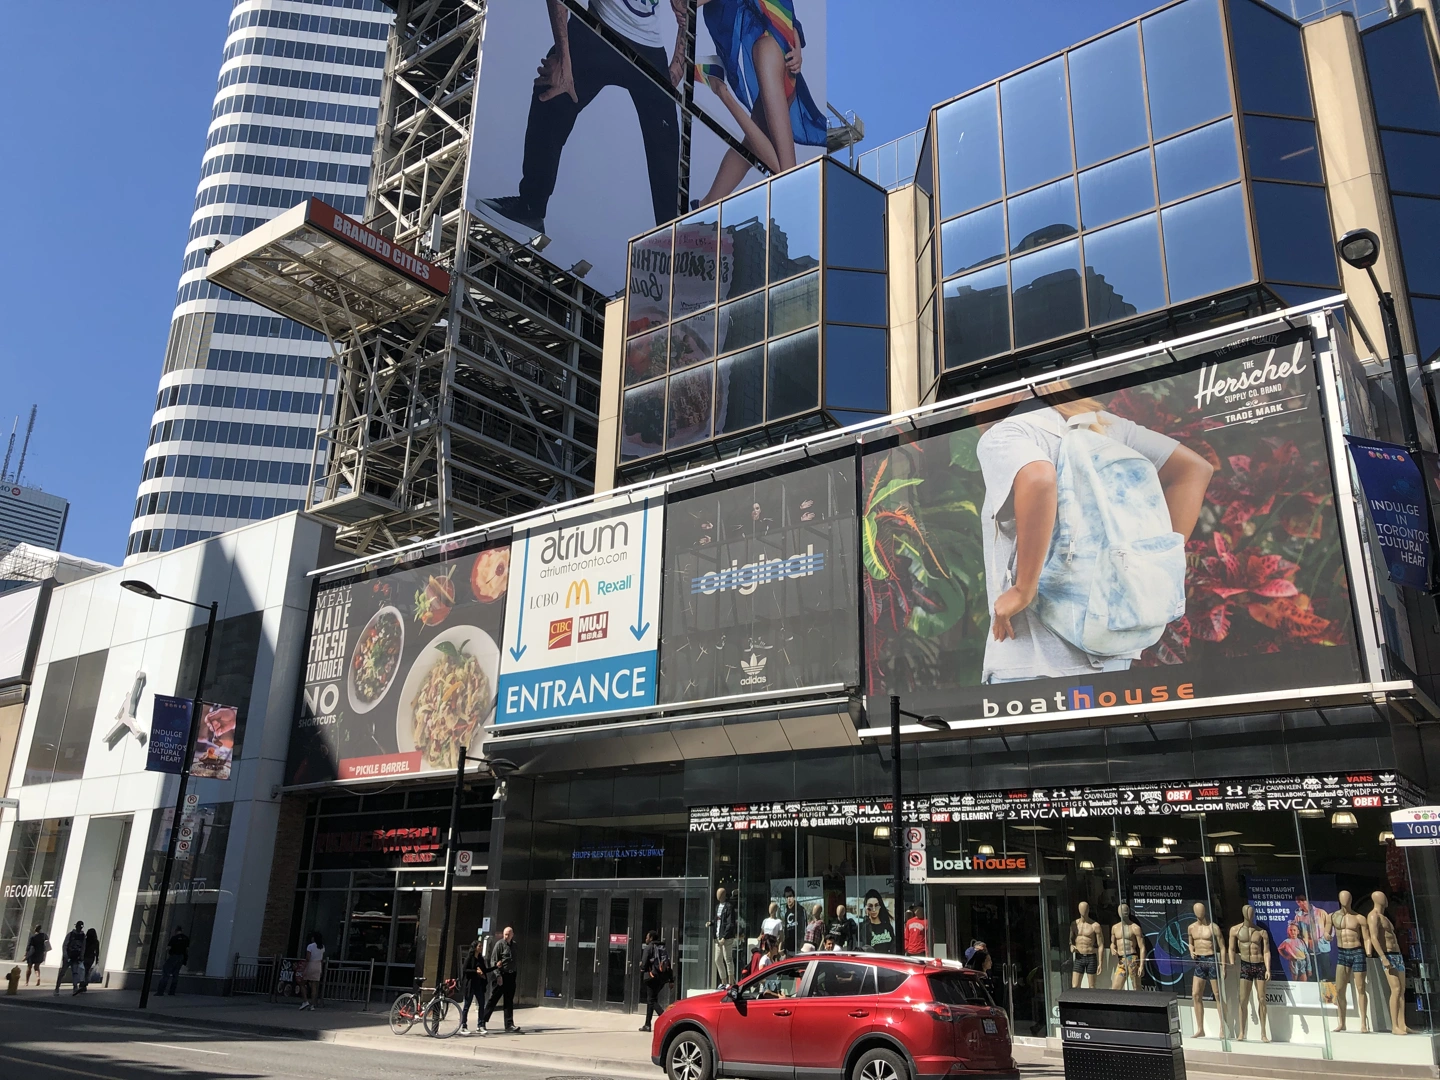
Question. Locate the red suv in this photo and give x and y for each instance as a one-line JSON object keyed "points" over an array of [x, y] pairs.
{"points": [[842, 1016]]}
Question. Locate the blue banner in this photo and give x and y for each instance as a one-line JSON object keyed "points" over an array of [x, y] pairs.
{"points": [[169, 732], [591, 686], [1395, 494]]}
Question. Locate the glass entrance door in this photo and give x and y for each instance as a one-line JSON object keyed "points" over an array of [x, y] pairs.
{"points": [[593, 940], [1012, 925]]}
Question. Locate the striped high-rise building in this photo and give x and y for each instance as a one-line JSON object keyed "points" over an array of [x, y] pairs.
{"points": [[241, 391]]}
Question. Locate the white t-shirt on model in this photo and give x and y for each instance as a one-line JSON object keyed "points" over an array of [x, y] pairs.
{"points": [[634, 19]]}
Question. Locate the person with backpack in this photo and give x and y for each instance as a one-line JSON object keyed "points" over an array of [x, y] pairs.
{"points": [[72, 960], [1084, 526], [475, 974], [655, 975], [177, 955], [35, 952]]}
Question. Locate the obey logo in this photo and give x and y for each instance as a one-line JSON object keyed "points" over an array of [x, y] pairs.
{"points": [[1179, 795], [1366, 801]]}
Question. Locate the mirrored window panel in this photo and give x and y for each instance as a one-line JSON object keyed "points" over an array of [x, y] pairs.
{"points": [[793, 370], [696, 268], [1123, 275], [968, 153], [740, 391], [1042, 216], [1185, 68], [649, 302], [1397, 59], [742, 323], [1207, 247], [1293, 223], [977, 316], [972, 240], [1269, 61], [688, 412], [854, 296], [1280, 149], [794, 304], [1412, 161], [1198, 160], [1117, 189], [1107, 97], [855, 221], [855, 368], [646, 356], [795, 223], [1427, 326], [642, 421], [1418, 221], [925, 273], [692, 340], [1047, 293], [742, 241], [1035, 112]]}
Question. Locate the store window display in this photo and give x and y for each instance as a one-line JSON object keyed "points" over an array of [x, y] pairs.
{"points": [[1250, 949], [1087, 946], [1128, 944], [1203, 940], [1392, 960], [1352, 938]]}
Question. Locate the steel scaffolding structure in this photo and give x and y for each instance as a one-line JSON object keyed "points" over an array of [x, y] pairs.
{"points": [[486, 406]]}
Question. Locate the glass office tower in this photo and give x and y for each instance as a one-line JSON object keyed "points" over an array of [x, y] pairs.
{"points": [[241, 391]]}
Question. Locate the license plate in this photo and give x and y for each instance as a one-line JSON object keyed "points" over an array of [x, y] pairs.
{"points": [[990, 1028]]}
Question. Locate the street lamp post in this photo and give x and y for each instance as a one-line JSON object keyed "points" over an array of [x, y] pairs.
{"points": [[897, 821], [141, 588]]}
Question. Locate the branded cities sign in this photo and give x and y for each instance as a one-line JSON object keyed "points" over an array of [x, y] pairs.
{"points": [[581, 632]]}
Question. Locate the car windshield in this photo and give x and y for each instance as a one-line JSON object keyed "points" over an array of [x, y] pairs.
{"points": [[954, 988]]}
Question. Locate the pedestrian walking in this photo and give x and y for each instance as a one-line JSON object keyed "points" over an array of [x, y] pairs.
{"points": [[313, 970], [502, 963], [92, 957], [72, 957], [475, 971], [655, 975], [177, 955], [35, 952]]}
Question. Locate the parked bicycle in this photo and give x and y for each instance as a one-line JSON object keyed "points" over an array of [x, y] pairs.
{"points": [[438, 1012]]}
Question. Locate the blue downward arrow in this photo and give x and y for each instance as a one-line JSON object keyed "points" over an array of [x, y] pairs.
{"points": [[640, 627], [518, 649]]}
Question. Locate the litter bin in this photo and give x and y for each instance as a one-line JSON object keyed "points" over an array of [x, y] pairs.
{"points": [[1121, 1035]]}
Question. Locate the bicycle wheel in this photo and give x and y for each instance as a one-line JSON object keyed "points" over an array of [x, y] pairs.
{"points": [[403, 1013], [441, 1017]]}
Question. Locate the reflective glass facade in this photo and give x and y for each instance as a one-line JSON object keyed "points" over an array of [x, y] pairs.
{"points": [[1167, 161], [768, 308]]}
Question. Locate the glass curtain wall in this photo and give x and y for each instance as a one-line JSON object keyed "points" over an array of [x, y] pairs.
{"points": [[1239, 914], [31, 882]]}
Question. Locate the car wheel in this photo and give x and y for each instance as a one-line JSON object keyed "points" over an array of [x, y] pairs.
{"points": [[690, 1057], [880, 1064]]}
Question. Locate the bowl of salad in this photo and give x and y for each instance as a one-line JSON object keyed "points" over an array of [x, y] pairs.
{"points": [[375, 660]]}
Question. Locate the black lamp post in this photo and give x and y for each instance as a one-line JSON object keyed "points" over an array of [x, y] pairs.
{"points": [[141, 588], [897, 822]]}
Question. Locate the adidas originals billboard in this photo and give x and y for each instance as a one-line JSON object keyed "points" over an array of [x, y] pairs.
{"points": [[1156, 540], [760, 587]]}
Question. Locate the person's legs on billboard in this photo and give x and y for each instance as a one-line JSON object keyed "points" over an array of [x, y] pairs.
{"points": [[659, 127]]}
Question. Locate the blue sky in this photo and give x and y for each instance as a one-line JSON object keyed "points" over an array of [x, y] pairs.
{"points": [[104, 162]]}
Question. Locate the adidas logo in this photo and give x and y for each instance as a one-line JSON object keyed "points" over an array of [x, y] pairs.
{"points": [[754, 669]]}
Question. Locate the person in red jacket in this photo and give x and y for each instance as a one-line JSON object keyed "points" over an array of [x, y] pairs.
{"points": [[917, 931]]}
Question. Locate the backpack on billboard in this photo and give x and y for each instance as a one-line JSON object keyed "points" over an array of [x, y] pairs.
{"points": [[1114, 576]]}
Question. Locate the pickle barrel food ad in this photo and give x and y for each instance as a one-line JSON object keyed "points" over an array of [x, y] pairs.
{"points": [[401, 669]]}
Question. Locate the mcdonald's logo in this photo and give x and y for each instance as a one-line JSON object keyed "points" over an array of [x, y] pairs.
{"points": [[578, 593]]}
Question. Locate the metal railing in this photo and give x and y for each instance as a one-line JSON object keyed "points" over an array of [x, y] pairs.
{"points": [[892, 164], [277, 977]]}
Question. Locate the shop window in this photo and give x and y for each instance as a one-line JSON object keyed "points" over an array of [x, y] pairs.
{"points": [[794, 223], [1269, 61], [195, 885], [1295, 240], [1042, 216], [854, 221], [1107, 98], [1207, 246], [1185, 69], [1048, 294], [977, 316], [968, 153], [1116, 190], [1282, 149], [1035, 113], [742, 233], [65, 718], [973, 240], [1397, 61], [32, 881], [1122, 270], [1197, 161]]}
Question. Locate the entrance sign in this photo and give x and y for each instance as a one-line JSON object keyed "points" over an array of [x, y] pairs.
{"points": [[169, 732], [1416, 827], [1395, 495], [581, 632]]}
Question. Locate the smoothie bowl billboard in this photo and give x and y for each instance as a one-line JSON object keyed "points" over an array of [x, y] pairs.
{"points": [[1156, 538]]}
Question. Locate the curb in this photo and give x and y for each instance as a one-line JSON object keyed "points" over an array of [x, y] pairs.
{"points": [[476, 1048]]}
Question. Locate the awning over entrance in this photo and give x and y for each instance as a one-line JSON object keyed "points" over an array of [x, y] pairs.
{"points": [[326, 271]]}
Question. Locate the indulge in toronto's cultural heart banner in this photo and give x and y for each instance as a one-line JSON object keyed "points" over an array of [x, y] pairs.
{"points": [[401, 670], [1157, 539]]}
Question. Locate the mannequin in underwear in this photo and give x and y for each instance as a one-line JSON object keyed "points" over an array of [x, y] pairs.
{"points": [[1250, 948], [1128, 945], [1387, 950], [1352, 946], [1087, 946], [1202, 938]]}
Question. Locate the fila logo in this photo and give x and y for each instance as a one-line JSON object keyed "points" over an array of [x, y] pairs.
{"points": [[754, 669]]}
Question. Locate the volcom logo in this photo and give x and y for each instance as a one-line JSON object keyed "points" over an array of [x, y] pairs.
{"points": [[754, 669]]}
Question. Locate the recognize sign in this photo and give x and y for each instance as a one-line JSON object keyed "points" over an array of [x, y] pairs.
{"points": [[1418, 826], [582, 631]]}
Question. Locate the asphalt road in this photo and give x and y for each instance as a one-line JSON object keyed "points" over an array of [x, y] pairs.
{"points": [[51, 1044]]}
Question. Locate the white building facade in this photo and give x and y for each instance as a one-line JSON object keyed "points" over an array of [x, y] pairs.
{"points": [[233, 436], [88, 840]]}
